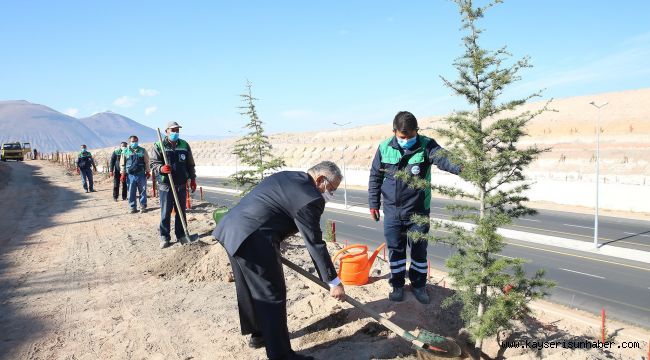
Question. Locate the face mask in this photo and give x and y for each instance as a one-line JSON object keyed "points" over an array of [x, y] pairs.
{"points": [[407, 143], [173, 136], [123, 148], [327, 196], [134, 144], [83, 149]]}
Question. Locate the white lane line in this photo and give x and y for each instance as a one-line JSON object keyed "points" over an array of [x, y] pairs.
{"points": [[578, 226], [530, 220], [644, 235], [438, 207], [366, 227], [578, 272], [337, 221]]}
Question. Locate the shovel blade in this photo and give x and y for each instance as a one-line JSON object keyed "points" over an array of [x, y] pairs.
{"points": [[438, 346], [189, 239]]}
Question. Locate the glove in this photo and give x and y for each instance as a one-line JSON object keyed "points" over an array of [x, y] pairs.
{"points": [[375, 214], [193, 185], [166, 169], [123, 178], [110, 174], [78, 172], [148, 174]]}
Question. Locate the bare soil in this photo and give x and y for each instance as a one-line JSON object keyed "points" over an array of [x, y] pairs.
{"points": [[81, 278]]}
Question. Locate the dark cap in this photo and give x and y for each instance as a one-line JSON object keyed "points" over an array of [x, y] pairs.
{"points": [[172, 125]]}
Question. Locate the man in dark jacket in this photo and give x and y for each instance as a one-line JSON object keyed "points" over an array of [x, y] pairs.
{"points": [[85, 165], [280, 206], [181, 168], [413, 153], [115, 172]]}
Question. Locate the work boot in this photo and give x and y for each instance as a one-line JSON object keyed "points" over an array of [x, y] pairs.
{"points": [[421, 294], [86, 191], [256, 341], [143, 210], [134, 210], [92, 190], [397, 294], [115, 199], [164, 242]]}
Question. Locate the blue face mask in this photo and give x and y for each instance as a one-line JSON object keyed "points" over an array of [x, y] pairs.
{"points": [[134, 144], [407, 143], [173, 136]]}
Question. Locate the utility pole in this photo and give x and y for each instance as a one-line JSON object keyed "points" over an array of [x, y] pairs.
{"points": [[345, 182], [597, 168]]}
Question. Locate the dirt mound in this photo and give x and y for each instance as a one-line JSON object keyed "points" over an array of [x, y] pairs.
{"points": [[197, 262]]}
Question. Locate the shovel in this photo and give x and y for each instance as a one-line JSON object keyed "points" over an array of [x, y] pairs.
{"points": [[427, 344], [187, 239]]}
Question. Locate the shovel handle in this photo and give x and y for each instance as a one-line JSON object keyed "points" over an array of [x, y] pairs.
{"points": [[373, 314]]}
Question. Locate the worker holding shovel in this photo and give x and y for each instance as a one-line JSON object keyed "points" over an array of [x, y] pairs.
{"points": [[281, 205], [174, 168]]}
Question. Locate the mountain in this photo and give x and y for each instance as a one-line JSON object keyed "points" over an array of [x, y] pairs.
{"points": [[49, 130], [46, 129], [114, 128]]}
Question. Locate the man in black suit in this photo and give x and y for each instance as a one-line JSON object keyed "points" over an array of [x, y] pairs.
{"points": [[280, 206]]}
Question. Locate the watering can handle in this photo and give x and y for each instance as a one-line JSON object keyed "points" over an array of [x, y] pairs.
{"points": [[356, 246]]}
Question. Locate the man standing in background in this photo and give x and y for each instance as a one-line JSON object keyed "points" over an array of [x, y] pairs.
{"points": [[134, 168], [85, 165], [115, 172]]}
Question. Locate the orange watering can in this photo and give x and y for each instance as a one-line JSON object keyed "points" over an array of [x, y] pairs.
{"points": [[354, 267]]}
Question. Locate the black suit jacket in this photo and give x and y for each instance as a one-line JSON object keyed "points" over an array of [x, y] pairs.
{"points": [[280, 206]]}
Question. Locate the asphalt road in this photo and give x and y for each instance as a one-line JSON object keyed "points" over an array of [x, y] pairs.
{"points": [[634, 234], [584, 281]]}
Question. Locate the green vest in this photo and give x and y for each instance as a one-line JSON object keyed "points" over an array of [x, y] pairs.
{"points": [[391, 157], [134, 163]]}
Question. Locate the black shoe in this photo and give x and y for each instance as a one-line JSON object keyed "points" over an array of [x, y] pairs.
{"points": [[421, 294], [256, 341], [86, 191], [134, 210], [295, 356], [115, 199], [397, 294], [92, 190]]}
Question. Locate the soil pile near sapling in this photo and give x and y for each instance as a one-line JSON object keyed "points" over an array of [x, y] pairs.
{"points": [[196, 262]]}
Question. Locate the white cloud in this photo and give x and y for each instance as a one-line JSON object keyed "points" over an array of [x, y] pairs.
{"points": [[71, 112], [125, 101], [296, 114], [148, 92], [150, 110]]}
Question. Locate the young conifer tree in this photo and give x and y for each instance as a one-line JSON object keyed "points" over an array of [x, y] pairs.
{"points": [[493, 289], [253, 149]]}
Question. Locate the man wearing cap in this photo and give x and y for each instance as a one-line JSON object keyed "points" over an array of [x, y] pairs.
{"points": [[181, 168], [114, 172], [406, 151]]}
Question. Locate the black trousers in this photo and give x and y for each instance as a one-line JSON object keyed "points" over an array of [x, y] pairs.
{"points": [[116, 187], [261, 293]]}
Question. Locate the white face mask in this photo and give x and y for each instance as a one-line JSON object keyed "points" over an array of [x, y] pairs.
{"points": [[327, 196]]}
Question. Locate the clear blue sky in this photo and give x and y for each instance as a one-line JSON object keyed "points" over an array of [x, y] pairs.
{"points": [[311, 62]]}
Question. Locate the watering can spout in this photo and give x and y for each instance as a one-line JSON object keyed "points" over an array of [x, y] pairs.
{"points": [[372, 258]]}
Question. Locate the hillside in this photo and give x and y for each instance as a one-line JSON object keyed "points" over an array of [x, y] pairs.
{"points": [[114, 128]]}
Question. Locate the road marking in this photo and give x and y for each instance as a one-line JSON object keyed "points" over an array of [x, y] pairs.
{"points": [[629, 233], [337, 221], [601, 239], [580, 256], [438, 207], [505, 256], [578, 226], [530, 220], [366, 227], [604, 298], [578, 272]]}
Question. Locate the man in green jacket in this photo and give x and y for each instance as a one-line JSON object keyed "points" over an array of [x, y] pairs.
{"points": [[181, 169], [134, 168]]}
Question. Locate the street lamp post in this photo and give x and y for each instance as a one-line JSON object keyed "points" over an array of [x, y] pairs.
{"points": [[597, 168], [236, 159], [345, 182]]}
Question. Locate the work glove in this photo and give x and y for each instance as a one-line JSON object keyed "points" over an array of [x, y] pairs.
{"points": [[78, 172], [148, 174], [166, 169], [375, 214], [123, 178], [110, 174], [193, 185]]}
